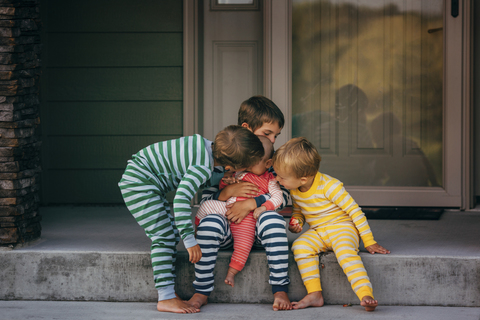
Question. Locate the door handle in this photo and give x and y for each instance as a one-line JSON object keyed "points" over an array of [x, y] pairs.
{"points": [[454, 8]]}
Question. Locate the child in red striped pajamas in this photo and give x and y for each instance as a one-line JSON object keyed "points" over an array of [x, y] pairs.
{"points": [[244, 232]]}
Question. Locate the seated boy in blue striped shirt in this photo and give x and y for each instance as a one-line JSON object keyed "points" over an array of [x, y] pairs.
{"points": [[185, 164], [261, 116]]}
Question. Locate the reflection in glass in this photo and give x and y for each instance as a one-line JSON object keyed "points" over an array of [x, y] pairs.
{"points": [[367, 88]]}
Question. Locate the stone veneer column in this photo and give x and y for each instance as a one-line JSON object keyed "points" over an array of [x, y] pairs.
{"points": [[19, 116]]}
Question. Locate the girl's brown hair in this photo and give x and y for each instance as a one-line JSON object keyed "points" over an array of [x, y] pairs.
{"points": [[238, 147]]}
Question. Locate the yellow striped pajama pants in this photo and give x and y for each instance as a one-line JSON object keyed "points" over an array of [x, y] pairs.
{"points": [[343, 239]]}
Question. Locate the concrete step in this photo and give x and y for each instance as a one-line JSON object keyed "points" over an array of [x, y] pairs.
{"points": [[100, 254], [67, 310]]}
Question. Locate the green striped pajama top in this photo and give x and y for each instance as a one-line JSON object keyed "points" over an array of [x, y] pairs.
{"points": [[185, 164]]}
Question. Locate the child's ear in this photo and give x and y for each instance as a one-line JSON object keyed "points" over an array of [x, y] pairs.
{"points": [[268, 164], [229, 168], [303, 180], [245, 125]]}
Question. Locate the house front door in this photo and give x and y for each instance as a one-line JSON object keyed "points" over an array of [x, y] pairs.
{"points": [[231, 59]]}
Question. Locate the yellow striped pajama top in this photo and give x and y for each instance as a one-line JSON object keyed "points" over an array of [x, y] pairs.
{"points": [[327, 203]]}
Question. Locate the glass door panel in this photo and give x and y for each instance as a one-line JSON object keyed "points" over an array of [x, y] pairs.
{"points": [[367, 89]]}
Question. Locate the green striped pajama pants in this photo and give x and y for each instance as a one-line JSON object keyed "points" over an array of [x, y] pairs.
{"points": [[145, 198]]}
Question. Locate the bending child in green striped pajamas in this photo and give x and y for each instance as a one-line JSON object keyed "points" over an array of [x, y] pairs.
{"points": [[185, 164]]}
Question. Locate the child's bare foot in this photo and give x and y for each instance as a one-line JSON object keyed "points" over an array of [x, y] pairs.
{"points": [[176, 295], [198, 300], [281, 301], [175, 305], [314, 299], [369, 303], [230, 279]]}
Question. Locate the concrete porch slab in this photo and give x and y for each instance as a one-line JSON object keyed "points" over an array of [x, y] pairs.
{"points": [[101, 254]]}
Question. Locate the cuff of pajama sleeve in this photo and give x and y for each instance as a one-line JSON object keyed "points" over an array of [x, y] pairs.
{"points": [[189, 241], [364, 291], [260, 200], [278, 288], [216, 194], [269, 205], [368, 240]]}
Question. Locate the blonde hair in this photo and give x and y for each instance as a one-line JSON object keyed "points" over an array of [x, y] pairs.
{"points": [[238, 147], [298, 157], [259, 110]]}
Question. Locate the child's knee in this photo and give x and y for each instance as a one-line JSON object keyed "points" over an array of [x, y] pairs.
{"points": [[271, 218], [164, 246], [211, 207], [302, 249], [213, 222], [213, 219]]}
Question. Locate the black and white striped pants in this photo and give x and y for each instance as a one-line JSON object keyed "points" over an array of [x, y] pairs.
{"points": [[270, 232]]}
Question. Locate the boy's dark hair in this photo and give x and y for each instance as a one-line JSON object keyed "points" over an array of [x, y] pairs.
{"points": [[238, 147], [259, 110]]}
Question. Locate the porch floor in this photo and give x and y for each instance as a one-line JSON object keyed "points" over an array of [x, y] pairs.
{"points": [[101, 254], [113, 229]]}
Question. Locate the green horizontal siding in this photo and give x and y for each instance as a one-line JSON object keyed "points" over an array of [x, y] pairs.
{"points": [[115, 84], [97, 152], [112, 84], [115, 50], [115, 15], [74, 186], [102, 118]]}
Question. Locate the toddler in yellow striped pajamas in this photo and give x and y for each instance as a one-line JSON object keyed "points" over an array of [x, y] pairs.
{"points": [[336, 223]]}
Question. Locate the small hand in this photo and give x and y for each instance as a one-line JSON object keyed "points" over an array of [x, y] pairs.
{"points": [[294, 225], [194, 253], [377, 248], [239, 210], [230, 180], [257, 212], [241, 189]]}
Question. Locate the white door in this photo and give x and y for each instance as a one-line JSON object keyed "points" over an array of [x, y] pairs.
{"points": [[232, 59]]}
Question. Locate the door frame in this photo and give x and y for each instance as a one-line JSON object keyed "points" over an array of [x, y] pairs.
{"points": [[468, 181], [458, 144], [191, 121]]}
